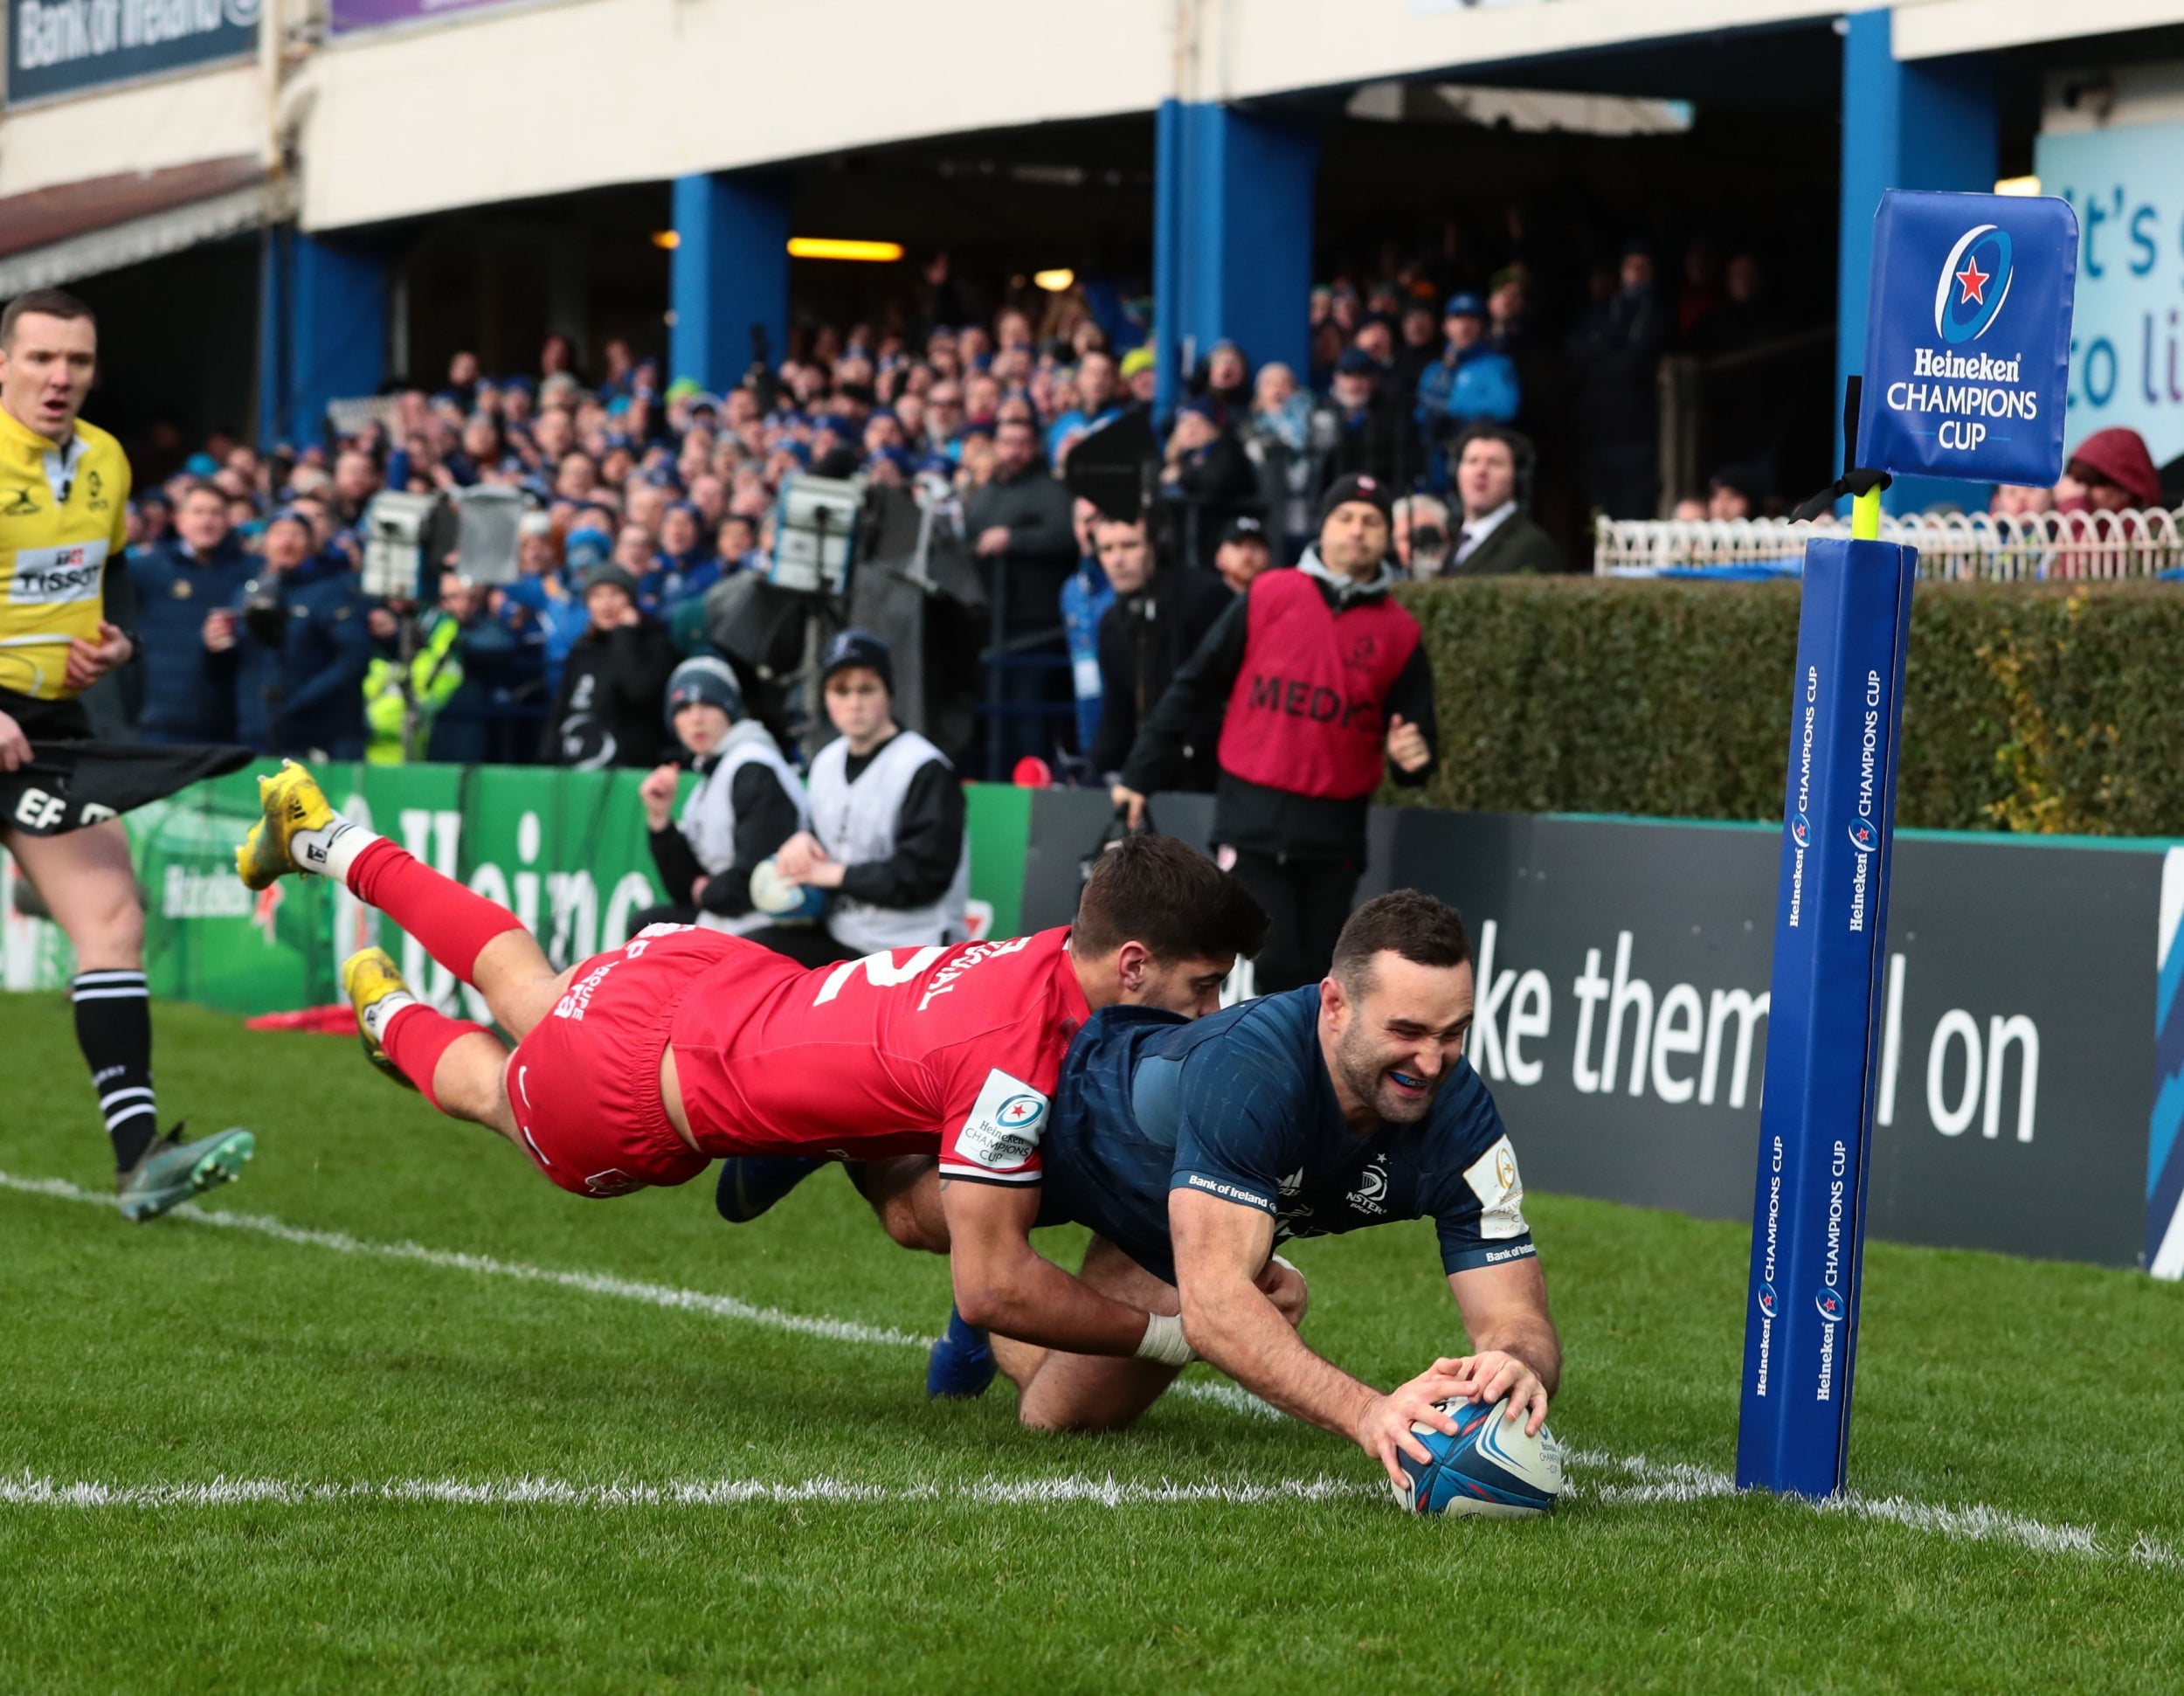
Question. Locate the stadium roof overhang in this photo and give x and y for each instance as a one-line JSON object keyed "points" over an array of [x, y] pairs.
{"points": [[55, 235]]}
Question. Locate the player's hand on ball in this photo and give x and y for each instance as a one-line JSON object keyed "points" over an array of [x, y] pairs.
{"points": [[1493, 1374], [15, 747], [1385, 1430]]}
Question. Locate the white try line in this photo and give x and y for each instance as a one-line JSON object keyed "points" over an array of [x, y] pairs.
{"points": [[1653, 1481], [589, 1283], [1643, 1482], [27, 1490]]}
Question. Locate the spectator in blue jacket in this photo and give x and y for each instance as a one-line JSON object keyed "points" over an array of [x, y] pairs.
{"points": [[1469, 383], [685, 567], [302, 650], [188, 593]]}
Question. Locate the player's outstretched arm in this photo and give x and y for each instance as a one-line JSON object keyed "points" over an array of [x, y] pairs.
{"points": [[1219, 1247], [1515, 1351], [1002, 1283]]}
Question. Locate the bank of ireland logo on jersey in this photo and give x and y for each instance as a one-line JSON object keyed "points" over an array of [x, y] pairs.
{"points": [[1968, 336]]}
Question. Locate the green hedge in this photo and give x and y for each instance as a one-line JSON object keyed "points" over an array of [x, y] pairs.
{"points": [[2028, 707]]}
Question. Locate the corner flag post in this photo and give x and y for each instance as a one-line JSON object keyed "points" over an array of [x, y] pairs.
{"points": [[1941, 397]]}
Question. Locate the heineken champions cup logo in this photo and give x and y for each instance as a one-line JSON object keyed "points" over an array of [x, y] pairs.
{"points": [[1969, 296], [1967, 336]]}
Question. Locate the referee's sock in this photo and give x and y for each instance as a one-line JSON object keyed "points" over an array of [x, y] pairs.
{"points": [[113, 1028]]}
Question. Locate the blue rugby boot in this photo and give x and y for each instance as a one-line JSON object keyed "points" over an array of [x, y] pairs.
{"points": [[961, 1363], [171, 1171], [751, 1183]]}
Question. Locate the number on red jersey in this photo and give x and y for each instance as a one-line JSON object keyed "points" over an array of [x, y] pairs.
{"points": [[880, 970]]}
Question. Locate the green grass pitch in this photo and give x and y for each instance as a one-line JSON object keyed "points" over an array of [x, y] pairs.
{"points": [[2018, 1449]]}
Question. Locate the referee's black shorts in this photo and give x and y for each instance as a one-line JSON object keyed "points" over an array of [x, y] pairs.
{"points": [[47, 721]]}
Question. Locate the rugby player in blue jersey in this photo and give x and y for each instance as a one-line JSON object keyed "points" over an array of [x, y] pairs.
{"points": [[1193, 1149]]}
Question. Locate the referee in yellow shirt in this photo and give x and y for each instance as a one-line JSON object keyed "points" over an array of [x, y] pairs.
{"points": [[64, 497]]}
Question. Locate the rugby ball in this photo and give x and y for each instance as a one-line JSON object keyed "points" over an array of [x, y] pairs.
{"points": [[773, 895], [1490, 1468]]}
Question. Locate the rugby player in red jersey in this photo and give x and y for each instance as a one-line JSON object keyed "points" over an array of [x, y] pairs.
{"points": [[642, 1065]]}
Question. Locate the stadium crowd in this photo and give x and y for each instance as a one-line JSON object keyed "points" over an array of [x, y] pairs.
{"points": [[646, 492]]}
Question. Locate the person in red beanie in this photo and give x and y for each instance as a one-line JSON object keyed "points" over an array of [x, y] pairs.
{"points": [[2115, 470]]}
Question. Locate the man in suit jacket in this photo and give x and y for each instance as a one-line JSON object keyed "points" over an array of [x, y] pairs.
{"points": [[1496, 537]]}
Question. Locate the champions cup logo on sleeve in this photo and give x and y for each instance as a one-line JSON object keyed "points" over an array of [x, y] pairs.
{"points": [[1968, 336]]}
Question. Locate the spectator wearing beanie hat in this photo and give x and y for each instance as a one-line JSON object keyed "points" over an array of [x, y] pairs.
{"points": [[1141, 375], [748, 803], [887, 840], [1320, 682], [607, 710], [1360, 428]]}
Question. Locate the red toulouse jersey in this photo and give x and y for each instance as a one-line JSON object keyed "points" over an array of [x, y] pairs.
{"points": [[914, 1052]]}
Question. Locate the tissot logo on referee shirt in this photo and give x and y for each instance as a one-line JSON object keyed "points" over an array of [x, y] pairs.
{"points": [[47, 577]]}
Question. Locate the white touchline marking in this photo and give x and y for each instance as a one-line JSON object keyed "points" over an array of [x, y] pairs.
{"points": [[594, 1284], [1650, 1481], [591, 1283], [27, 1490]]}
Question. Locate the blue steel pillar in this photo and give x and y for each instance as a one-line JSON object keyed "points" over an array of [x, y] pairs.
{"points": [[1930, 123], [730, 273], [323, 330], [1231, 238]]}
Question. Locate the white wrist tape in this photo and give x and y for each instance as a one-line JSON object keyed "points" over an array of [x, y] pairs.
{"points": [[1163, 1341]]}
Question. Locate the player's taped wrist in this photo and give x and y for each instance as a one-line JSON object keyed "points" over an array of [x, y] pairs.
{"points": [[1163, 1341]]}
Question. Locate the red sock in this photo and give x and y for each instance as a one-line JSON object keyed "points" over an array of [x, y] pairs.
{"points": [[453, 923], [416, 1036]]}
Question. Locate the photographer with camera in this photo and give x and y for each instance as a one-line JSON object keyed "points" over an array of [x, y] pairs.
{"points": [[302, 646]]}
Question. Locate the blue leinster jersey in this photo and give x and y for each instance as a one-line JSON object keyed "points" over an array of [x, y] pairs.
{"points": [[1239, 1106]]}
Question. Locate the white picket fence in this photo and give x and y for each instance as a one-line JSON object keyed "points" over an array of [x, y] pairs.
{"points": [[2033, 548]]}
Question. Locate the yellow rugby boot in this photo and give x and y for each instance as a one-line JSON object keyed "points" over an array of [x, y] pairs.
{"points": [[293, 805], [374, 986]]}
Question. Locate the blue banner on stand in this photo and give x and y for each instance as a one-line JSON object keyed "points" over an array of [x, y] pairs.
{"points": [[1967, 343], [1831, 926]]}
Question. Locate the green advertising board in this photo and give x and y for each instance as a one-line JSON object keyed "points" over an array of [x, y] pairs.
{"points": [[564, 850]]}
